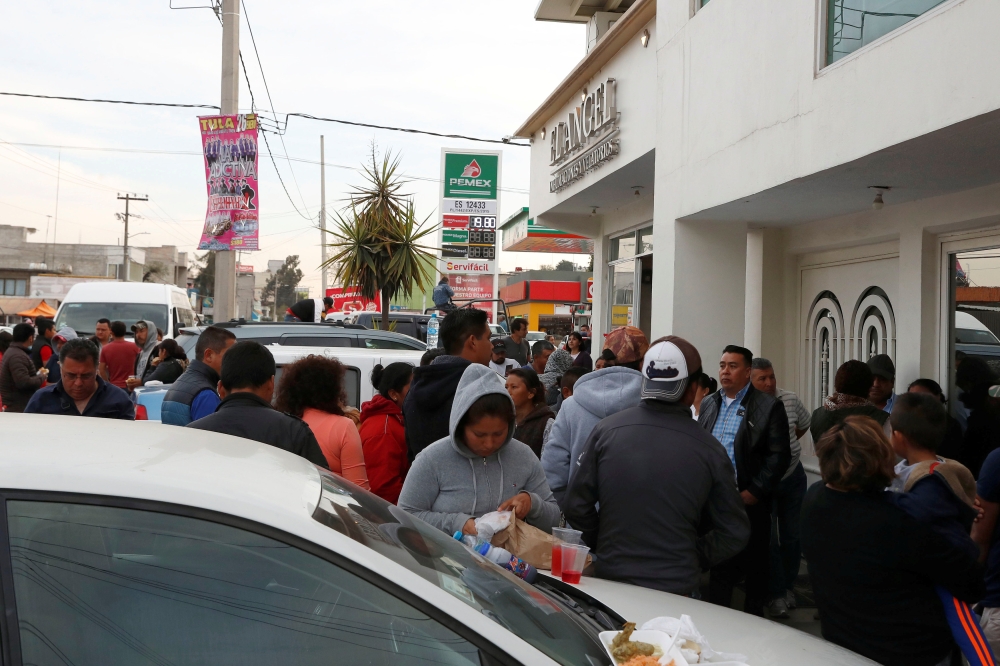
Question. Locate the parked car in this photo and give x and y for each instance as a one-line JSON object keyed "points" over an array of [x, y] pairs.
{"points": [[535, 336], [214, 549], [165, 305], [973, 338], [305, 334], [357, 382], [412, 324]]}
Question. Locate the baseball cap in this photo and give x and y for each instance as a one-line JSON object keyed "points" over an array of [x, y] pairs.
{"points": [[627, 343], [498, 345], [667, 368], [139, 326], [882, 366], [65, 334]]}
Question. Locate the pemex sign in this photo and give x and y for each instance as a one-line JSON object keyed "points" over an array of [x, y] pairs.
{"points": [[470, 176]]}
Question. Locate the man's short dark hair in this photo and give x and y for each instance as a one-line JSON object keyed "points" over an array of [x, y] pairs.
{"points": [[742, 351], [104, 320], [540, 346], [118, 329], [23, 333], [570, 376], [853, 378], [518, 324], [328, 302], [44, 324], [247, 365], [458, 325], [430, 355], [213, 338], [921, 417], [80, 349], [761, 364]]}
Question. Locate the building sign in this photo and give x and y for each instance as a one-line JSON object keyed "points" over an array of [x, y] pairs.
{"points": [[590, 290], [229, 144], [471, 176], [468, 207], [470, 187], [349, 299], [588, 139], [244, 270]]}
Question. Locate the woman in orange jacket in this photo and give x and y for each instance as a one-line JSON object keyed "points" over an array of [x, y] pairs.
{"points": [[383, 436]]}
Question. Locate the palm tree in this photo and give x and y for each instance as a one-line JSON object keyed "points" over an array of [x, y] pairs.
{"points": [[377, 240]]}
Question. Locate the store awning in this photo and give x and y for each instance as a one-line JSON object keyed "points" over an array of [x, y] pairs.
{"points": [[522, 234]]}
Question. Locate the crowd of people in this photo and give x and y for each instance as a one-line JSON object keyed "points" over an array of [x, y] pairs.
{"points": [[674, 479]]}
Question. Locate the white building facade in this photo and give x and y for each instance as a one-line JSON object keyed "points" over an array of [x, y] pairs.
{"points": [[732, 196]]}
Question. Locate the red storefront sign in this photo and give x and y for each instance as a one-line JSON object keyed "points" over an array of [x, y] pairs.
{"points": [[349, 299]]}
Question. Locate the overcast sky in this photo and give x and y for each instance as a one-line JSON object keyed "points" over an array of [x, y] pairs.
{"points": [[474, 68]]}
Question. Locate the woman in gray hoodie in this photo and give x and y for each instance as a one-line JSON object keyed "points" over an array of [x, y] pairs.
{"points": [[479, 467]]}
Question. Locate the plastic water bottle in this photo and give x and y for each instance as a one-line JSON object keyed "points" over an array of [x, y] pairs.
{"points": [[499, 556], [432, 331]]}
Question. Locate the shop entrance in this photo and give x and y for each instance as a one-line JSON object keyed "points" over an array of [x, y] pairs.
{"points": [[974, 346], [630, 277]]}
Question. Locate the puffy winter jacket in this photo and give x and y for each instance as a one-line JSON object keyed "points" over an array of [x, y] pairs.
{"points": [[596, 396], [18, 379], [383, 439]]}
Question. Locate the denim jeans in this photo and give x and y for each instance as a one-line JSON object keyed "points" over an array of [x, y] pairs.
{"points": [[786, 548]]}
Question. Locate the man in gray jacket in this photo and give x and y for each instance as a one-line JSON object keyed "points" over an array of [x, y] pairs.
{"points": [[478, 467], [669, 508]]}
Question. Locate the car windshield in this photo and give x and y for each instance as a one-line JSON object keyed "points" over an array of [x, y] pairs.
{"points": [[499, 595], [534, 336], [971, 336], [82, 317]]}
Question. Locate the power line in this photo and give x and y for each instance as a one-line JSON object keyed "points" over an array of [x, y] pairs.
{"points": [[112, 101], [267, 89], [506, 141]]}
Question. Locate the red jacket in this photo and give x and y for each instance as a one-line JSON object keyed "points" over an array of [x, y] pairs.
{"points": [[383, 439]]}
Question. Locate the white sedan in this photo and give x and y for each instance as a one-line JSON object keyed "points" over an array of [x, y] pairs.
{"points": [[155, 545]]}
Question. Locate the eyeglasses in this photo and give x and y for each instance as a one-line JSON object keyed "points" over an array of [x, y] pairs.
{"points": [[72, 377]]}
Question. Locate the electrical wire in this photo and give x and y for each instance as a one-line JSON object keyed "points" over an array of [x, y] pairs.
{"points": [[111, 101], [267, 89], [508, 141]]}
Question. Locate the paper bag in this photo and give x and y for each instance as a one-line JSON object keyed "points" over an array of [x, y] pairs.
{"points": [[529, 543]]}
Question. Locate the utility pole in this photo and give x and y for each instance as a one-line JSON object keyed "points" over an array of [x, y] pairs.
{"points": [[225, 262], [322, 214], [126, 199]]}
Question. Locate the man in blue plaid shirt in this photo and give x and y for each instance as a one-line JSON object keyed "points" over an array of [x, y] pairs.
{"points": [[753, 428]]}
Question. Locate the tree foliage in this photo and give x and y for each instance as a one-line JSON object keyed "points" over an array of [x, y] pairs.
{"points": [[377, 239], [279, 290], [204, 281], [565, 265]]}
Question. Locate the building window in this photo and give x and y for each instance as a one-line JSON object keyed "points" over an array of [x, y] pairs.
{"points": [[852, 24], [14, 287], [624, 267]]}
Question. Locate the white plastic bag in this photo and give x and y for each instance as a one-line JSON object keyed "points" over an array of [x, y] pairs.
{"points": [[686, 631], [490, 523]]}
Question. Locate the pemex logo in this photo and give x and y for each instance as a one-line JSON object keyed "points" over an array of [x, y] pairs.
{"points": [[471, 170]]}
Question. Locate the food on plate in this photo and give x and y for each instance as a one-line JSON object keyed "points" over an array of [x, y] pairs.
{"points": [[643, 660], [622, 649]]}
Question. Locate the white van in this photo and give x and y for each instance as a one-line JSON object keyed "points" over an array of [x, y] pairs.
{"points": [[165, 305]]}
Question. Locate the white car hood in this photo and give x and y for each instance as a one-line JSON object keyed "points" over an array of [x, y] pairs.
{"points": [[764, 642]]}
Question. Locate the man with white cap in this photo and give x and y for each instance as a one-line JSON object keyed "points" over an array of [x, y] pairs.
{"points": [[669, 508]]}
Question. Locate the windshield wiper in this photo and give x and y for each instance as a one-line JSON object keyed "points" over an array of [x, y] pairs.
{"points": [[597, 619]]}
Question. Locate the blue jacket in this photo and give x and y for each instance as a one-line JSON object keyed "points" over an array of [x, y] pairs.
{"points": [[108, 402], [442, 294], [176, 409]]}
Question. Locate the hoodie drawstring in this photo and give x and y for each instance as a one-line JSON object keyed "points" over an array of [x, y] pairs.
{"points": [[475, 491]]}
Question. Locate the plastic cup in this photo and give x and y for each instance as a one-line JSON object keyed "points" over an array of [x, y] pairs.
{"points": [[565, 535], [573, 558]]}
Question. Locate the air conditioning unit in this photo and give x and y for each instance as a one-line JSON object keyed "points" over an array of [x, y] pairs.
{"points": [[599, 24]]}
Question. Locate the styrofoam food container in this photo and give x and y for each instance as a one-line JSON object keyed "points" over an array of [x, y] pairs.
{"points": [[646, 636]]}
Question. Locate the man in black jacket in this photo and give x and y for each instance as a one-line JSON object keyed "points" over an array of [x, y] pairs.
{"points": [[753, 428], [41, 348], [19, 378], [465, 336], [668, 504], [247, 387]]}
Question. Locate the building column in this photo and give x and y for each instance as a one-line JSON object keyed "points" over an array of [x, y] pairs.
{"points": [[703, 271], [917, 311], [753, 318]]}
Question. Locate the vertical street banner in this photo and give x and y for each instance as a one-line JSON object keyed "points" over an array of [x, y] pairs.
{"points": [[470, 201], [229, 144]]}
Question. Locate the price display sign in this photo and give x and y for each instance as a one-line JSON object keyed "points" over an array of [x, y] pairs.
{"points": [[482, 222], [482, 252], [482, 237]]}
